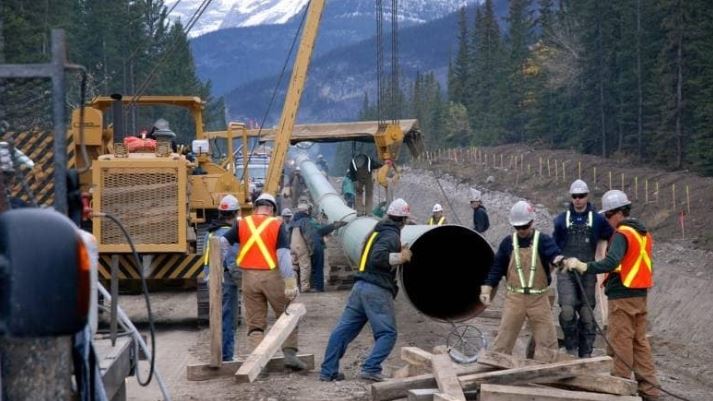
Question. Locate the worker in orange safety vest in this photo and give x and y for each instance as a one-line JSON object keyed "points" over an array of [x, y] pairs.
{"points": [[629, 264]]}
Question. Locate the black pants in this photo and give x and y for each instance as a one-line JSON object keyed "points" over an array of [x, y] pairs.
{"points": [[576, 320]]}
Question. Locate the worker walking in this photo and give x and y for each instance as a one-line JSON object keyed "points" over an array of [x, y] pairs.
{"points": [[481, 223], [301, 258], [268, 276], [227, 213], [524, 259], [437, 218], [372, 298], [629, 264], [577, 232], [286, 216], [362, 167]]}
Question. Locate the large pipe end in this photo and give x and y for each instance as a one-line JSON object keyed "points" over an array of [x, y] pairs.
{"points": [[448, 266]]}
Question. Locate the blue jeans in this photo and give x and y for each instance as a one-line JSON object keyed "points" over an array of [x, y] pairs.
{"points": [[316, 281], [230, 305], [367, 303]]}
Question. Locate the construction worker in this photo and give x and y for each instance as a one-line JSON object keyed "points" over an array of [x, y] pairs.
{"points": [[227, 214], [301, 259], [312, 276], [297, 186], [372, 298], [481, 223], [348, 191], [268, 277], [437, 218], [524, 259], [629, 265], [286, 215], [322, 165], [362, 167], [577, 232]]}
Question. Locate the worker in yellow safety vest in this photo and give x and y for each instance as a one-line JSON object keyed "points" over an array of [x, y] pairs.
{"points": [[437, 218], [268, 277], [629, 264]]}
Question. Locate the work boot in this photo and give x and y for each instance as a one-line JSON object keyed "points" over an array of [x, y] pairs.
{"points": [[374, 377], [291, 360], [254, 339]]}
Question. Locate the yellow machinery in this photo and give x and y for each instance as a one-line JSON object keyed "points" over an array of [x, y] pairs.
{"points": [[161, 197]]}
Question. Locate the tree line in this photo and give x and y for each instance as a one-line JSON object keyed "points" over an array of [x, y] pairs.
{"points": [[128, 47], [627, 78]]}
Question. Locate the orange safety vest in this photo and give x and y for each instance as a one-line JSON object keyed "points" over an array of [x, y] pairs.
{"points": [[257, 235], [636, 268]]}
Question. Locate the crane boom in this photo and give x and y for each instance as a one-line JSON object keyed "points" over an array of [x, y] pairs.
{"points": [[294, 95]]}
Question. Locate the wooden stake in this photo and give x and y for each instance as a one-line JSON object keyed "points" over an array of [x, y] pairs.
{"points": [[595, 176], [579, 169], [273, 340], [673, 197], [622, 181], [549, 172], [540, 167], [610, 184], [636, 187], [491, 392], [646, 190], [657, 192], [564, 172], [501, 161], [556, 171], [529, 169], [215, 288], [688, 201]]}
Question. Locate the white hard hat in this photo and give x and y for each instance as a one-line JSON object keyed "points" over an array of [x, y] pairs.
{"points": [[614, 199], [522, 213], [266, 197], [229, 203], [437, 208], [286, 212], [578, 187], [320, 157], [303, 207], [399, 208], [475, 195]]}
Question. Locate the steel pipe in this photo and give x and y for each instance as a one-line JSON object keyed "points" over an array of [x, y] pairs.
{"points": [[449, 262]]}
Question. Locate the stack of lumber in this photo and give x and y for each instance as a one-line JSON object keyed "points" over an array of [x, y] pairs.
{"points": [[499, 377]]}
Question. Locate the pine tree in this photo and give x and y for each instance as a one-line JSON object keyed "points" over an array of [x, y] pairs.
{"points": [[519, 38], [460, 69]]}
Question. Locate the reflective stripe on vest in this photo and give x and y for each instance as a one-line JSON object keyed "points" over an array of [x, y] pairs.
{"points": [[206, 250], [590, 219], [367, 248], [533, 264], [630, 270], [439, 223], [256, 238]]}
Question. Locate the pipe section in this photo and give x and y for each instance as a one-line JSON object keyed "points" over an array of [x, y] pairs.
{"points": [[449, 262]]}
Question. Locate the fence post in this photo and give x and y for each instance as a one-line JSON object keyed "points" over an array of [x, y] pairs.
{"points": [[556, 171], [646, 190], [549, 172], [579, 169], [595, 176], [673, 196], [610, 184], [688, 201], [657, 192], [636, 187], [540, 166], [622, 181], [564, 172]]}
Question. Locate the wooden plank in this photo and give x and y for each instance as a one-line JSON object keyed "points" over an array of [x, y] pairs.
{"points": [[204, 371], [600, 384], [539, 373], [445, 397], [215, 299], [422, 394], [504, 361], [273, 340], [494, 392], [416, 356], [446, 376], [394, 389]]}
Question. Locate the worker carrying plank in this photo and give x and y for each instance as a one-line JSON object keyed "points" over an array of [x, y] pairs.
{"points": [[629, 264], [577, 233], [372, 298], [268, 277], [524, 259]]}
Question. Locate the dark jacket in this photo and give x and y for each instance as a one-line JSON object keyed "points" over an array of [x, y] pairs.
{"points": [[547, 250], [601, 229], [481, 223], [378, 271], [614, 288], [312, 232]]}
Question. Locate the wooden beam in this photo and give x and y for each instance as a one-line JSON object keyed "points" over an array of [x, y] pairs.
{"points": [[394, 389], [504, 361], [493, 392], [215, 299], [446, 397], [539, 373], [203, 371], [273, 340], [422, 394], [446, 377], [416, 356], [600, 384]]}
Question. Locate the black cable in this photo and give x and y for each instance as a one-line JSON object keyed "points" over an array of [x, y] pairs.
{"points": [[277, 86], [146, 296], [601, 332]]}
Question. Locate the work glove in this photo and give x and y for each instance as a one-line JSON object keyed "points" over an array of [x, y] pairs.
{"points": [[574, 264], [485, 291], [557, 262], [291, 290]]}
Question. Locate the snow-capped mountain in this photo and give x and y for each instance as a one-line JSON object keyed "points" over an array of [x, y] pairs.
{"points": [[222, 14]]}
